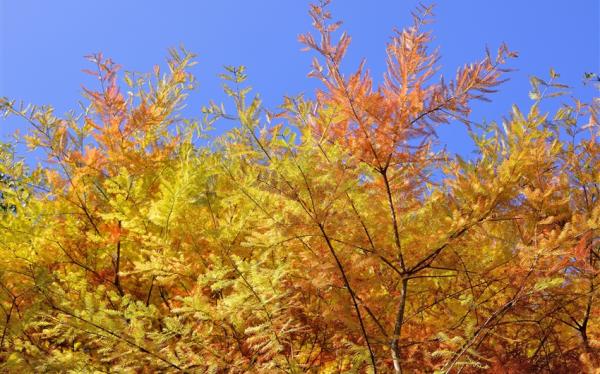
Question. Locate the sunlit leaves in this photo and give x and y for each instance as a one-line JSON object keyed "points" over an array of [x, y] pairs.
{"points": [[309, 238]]}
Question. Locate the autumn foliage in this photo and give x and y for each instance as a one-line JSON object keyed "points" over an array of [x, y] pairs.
{"points": [[327, 235]]}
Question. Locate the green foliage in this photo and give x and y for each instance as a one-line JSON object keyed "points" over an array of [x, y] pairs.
{"points": [[311, 238]]}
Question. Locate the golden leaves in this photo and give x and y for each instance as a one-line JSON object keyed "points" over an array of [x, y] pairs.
{"points": [[381, 125], [318, 242]]}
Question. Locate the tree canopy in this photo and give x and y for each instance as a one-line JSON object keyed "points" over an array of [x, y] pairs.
{"points": [[327, 235]]}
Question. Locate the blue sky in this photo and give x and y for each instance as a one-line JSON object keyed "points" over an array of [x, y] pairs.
{"points": [[42, 44]]}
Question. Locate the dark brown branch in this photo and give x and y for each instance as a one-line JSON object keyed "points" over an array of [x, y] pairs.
{"points": [[352, 295], [117, 280], [117, 336]]}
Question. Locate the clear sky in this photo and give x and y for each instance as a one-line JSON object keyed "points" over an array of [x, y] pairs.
{"points": [[42, 44]]}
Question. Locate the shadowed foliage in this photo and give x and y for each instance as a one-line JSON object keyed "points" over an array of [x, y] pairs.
{"points": [[327, 235]]}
